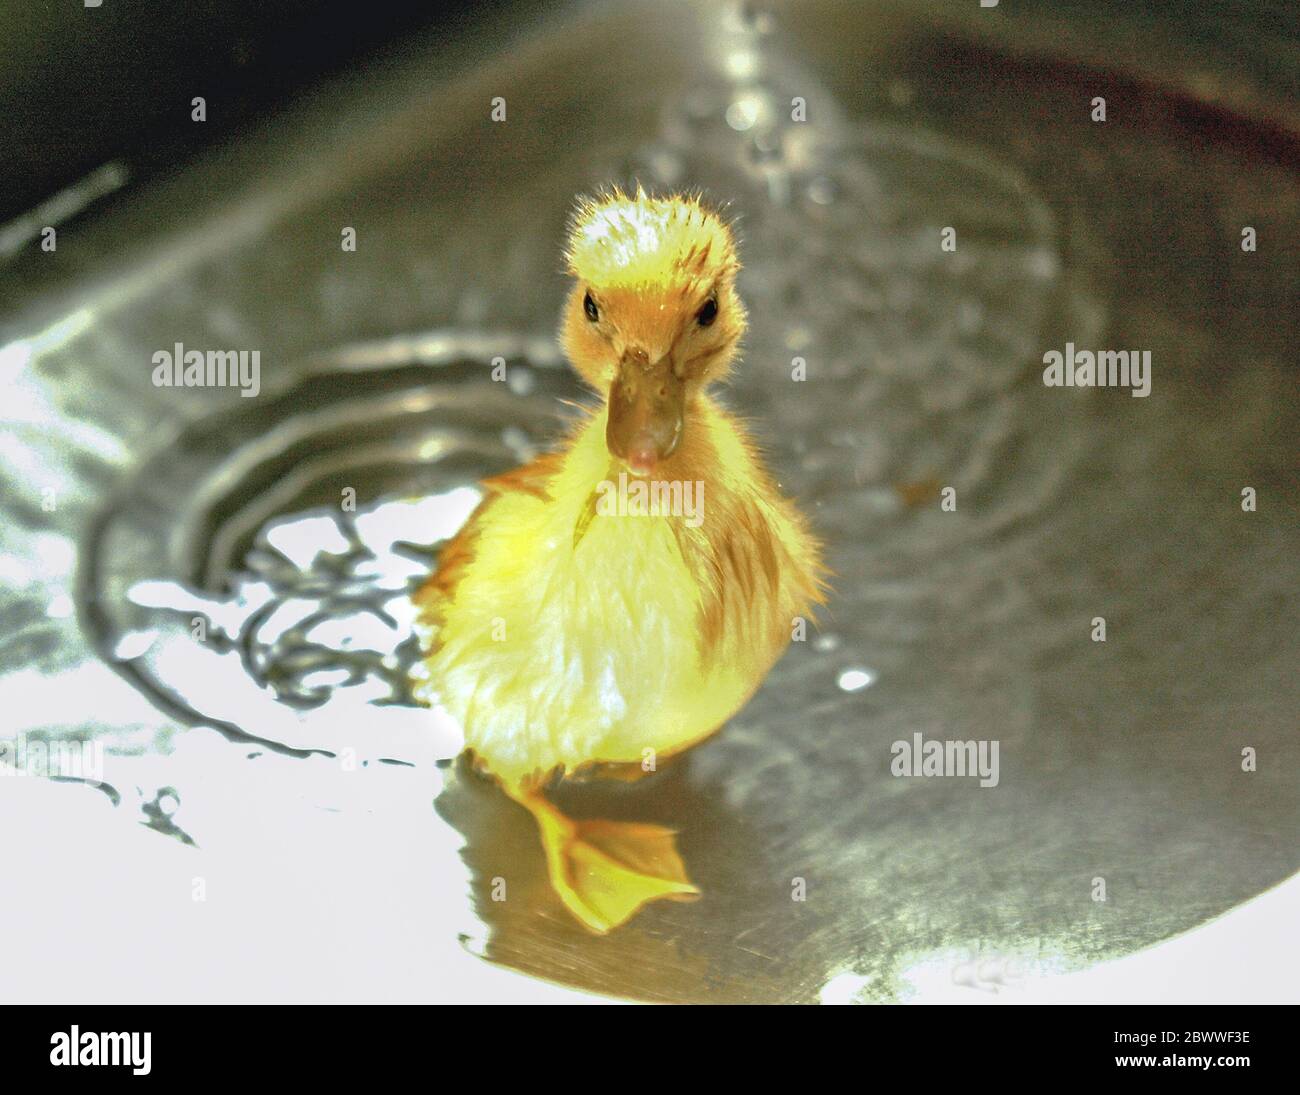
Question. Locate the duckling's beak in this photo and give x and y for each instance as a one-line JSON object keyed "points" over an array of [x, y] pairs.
{"points": [[646, 406]]}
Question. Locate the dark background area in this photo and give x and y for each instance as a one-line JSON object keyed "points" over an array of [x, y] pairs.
{"points": [[81, 86]]}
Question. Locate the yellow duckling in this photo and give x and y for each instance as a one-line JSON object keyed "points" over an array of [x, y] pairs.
{"points": [[617, 601]]}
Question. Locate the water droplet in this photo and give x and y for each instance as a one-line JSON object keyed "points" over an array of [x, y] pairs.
{"points": [[743, 113], [742, 63], [855, 680], [521, 381]]}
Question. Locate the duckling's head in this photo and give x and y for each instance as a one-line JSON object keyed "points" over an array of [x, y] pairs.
{"points": [[653, 317]]}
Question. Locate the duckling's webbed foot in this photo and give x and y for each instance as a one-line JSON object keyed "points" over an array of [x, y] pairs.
{"points": [[604, 871]]}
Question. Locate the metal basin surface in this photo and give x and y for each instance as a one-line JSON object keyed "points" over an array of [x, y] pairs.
{"points": [[275, 819]]}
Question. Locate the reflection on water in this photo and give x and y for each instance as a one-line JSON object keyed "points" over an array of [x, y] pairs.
{"points": [[313, 644]]}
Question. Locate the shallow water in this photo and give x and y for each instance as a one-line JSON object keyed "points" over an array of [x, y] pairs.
{"points": [[224, 579]]}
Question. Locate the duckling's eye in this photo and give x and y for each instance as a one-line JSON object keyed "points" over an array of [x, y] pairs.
{"points": [[708, 313], [589, 306]]}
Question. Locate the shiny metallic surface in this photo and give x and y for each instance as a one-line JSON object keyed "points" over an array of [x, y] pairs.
{"points": [[182, 586]]}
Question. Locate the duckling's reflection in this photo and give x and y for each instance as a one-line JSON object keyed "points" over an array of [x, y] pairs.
{"points": [[746, 899]]}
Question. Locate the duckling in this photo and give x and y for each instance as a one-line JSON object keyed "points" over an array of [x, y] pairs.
{"points": [[565, 633]]}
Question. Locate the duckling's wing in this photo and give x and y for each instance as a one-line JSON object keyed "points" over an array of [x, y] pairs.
{"points": [[456, 555], [532, 478]]}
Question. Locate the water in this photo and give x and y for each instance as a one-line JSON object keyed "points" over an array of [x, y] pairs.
{"points": [[228, 579]]}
